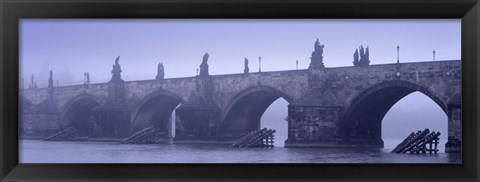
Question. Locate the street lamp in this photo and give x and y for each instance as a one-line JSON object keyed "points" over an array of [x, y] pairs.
{"points": [[398, 54], [259, 64]]}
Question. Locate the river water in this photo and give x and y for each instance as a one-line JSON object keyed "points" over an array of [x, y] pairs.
{"points": [[38, 151]]}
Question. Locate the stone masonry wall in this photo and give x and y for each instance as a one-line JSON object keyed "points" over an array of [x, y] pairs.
{"points": [[291, 83], [312, 126]]}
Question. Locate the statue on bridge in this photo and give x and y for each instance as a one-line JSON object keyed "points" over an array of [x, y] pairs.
{"points": [[116, 89], [204, 65], [355, 57], [362, 52], [160, 72], [363, 60], [116, 70], [50, 85], [246, 69], [317, 56], [50, 80], [86, 78], [319, 48], [32, 82]]}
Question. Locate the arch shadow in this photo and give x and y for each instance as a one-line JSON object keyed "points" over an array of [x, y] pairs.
{"points": [[361, 123], [77, 113], [244, 111], [155, 109]]}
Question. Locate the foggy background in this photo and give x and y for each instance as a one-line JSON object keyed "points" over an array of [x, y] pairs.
{"points": [[72, 47]]}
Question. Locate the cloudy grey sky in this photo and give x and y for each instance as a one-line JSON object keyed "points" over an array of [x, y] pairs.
{"points": [[72, 47]]}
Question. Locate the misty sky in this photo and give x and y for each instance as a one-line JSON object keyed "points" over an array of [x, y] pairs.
{"points": [[72, 47]]}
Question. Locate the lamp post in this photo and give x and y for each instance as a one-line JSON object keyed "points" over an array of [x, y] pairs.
{"points": [[259, 64], [297, 65], [398, 54]]}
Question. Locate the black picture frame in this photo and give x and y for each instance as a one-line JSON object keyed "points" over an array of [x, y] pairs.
{"points": [[12, 10]]}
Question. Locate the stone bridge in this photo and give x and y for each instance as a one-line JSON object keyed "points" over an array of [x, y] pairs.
{"points": [[328, 107]]}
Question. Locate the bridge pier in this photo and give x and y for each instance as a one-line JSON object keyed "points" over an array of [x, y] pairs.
{"points": [[196, 123], [318, 126], [454, 143], [111, 120], [41, 120], [313, 126]]}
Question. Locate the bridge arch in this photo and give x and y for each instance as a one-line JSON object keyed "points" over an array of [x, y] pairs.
{"points": [[77, 113], [155, 110], [243, 112], [362, 119]]}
